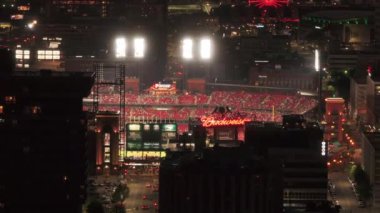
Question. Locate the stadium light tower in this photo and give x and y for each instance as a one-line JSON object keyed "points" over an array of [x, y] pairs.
{"points": [[120, 47], [187, 48], [139, 47], [205, 48], [198, 50]]}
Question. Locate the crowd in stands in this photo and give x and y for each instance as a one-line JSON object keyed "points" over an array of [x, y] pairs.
{"points": [[180, 107]]}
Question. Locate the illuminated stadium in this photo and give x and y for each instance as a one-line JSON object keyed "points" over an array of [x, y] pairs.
{"points": [[180, 107], [134, 127]]}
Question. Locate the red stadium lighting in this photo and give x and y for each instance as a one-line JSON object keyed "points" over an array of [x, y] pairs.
{"points": [[268, 3]]}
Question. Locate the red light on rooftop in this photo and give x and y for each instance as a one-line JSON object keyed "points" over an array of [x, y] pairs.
{"points": [[268, 3]]}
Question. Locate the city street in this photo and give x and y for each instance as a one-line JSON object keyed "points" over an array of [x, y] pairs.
{"points": [[138, 188], [345, 195]]}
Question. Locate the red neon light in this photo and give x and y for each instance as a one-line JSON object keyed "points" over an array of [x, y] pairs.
{"points": [[212, 121], [268, 3]]}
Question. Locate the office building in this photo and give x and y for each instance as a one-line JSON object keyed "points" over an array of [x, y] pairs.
{"points": [[373, 99], [42, 146], [358, 98], [219, 180], [370, 137], [299, 147]]}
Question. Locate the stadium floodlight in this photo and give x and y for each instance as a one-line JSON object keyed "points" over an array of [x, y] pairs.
{"points": [[120, 47], [139, 46], [316, 61], [205, 48], [187, 48]]}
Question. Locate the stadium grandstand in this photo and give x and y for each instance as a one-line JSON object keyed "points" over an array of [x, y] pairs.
{"points": [[263, 105]]}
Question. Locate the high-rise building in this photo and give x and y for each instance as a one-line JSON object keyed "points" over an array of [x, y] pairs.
{"points": [[298, 146], [106, 138], [221, 179], [358, 98], [42, 146], [370, 145], [373, 99]]}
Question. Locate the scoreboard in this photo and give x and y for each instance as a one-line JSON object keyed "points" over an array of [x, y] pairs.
{"points": [[149, 136]]}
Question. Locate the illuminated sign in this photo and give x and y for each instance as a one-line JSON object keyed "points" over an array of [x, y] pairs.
{"points": [[212, 121], [134, 127], [156, 127], [5, 25], [162, 86], [169, 127], [17, 17], [146, 127], [23, 8]]}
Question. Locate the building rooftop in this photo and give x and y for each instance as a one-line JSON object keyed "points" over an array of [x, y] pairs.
{"points": [[341, 14], [360, 80], [216, 159]]}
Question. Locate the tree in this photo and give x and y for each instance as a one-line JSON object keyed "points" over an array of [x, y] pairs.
{"points": [[121, 192], [363, 185], [94, 206], [118, 208], [351, 171]]}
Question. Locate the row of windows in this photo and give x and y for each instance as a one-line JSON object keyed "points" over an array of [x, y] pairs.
{"points": [[304, 195], [27, 109], [41, 54]]}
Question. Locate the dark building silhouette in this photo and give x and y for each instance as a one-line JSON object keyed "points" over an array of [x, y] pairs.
{"points": [[7, 64], [42, 145], [219, 180], [298, 146]]}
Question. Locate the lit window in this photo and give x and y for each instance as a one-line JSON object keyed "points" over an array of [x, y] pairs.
{"points": [[22, 54], [107, 148], [107, 157], [10, 99], [48, 54], [36, 109], [1, 109], [107, 138]]}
